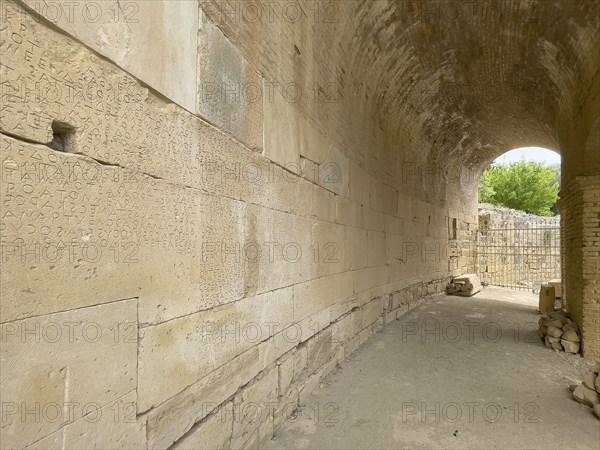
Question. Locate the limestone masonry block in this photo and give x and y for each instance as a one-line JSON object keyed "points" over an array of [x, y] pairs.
{"points": [[254, 406], [465, 285], [173, 418], [359, 184], [230, 91], [86, 358], [213, 432], [186, 349], [112, 426], [167, 62]]}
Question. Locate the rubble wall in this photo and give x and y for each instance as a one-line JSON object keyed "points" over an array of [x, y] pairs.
{"points": [[517, 249]]}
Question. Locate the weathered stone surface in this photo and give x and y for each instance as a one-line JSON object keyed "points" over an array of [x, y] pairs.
{"points": [[370, 277], [282, 249], [51, 442], [570, 326], [571, 335], [318, 294], [351, 346], [556, 283], [393, 224], [589, 380], [554, 332], [373, 220], [109, 222], [286, 374], [213, 432], [86, 358], [557, 345], [464, 285], [112, 426], [119, 32], [376, 248], [348, 212], [332, 173], [253, 407], [586, 396], [261, 436], [173, 418], [284, 129], [287, 407], [308, 387], [185, 350], [356, 248], [300, 362], [384, 198], [564, 320], [359, 183], [554, 323], [570, 347], [320, 349], [405, 207], [230, 91]]}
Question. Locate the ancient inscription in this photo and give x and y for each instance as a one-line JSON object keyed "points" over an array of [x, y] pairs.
{"points": [[47, 77]]}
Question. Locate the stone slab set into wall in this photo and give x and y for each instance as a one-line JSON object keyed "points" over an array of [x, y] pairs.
{"points": [[168, 266]]}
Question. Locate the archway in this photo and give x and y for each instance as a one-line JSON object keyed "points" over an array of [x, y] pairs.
{"points": [[518, 240]]}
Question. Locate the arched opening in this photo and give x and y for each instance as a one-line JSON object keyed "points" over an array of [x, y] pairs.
{"points": [[518, 242]]}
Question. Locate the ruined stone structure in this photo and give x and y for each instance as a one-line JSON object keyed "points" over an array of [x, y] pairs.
{"points": [[516, 249], [206, 205]]}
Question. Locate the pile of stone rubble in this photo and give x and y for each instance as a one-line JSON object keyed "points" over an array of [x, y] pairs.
{"points": [[587, 393], [559, 332]]}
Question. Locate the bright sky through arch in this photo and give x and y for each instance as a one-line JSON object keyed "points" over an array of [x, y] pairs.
{"points": [[537, 154]]}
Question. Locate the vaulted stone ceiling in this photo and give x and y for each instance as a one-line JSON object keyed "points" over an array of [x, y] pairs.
{"points": [[450, 84], [489, 76]]}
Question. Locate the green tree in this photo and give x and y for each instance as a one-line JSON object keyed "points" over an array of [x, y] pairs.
{"points": [[526, 185]]}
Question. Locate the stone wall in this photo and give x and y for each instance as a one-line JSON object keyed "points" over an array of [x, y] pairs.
{"points": [[205, 207], [172, 260], [495, 217], [516, 249], [580, 206]]}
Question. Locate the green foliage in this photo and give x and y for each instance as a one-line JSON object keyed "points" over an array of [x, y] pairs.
{"points": [[525, 185]]}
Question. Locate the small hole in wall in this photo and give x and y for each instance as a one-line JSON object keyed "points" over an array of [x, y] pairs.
{"points": [[63, 137]]}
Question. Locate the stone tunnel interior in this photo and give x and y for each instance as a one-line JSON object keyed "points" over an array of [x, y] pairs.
{"points": [[210, 202]]}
